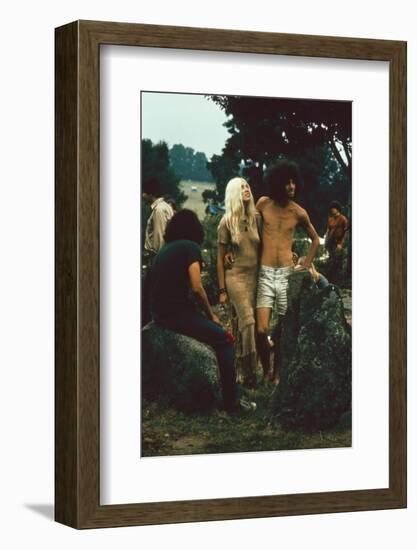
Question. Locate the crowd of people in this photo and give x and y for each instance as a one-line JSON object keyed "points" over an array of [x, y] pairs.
{"points": [[255, 257]]}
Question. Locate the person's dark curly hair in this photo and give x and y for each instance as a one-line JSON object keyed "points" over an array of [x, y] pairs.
{"points": [[335, 204], [152, 186], [278, 176], [184, 225]]}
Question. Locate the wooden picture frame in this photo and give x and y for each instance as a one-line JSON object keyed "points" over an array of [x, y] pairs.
{"points": [[77, 372]]}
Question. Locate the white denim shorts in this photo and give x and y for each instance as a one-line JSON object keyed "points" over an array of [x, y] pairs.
{"points": [[272, 288]]}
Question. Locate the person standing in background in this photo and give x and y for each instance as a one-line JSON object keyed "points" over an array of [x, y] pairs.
{"points": [[161, 213], [337, 226]]}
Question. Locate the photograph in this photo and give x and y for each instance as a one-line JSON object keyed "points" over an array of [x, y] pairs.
{"points": [[246, 273]]}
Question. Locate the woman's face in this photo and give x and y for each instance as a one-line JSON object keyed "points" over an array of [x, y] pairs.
{"points": [[246, 194]]}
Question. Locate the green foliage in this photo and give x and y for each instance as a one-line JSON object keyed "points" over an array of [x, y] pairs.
{"points": [[223, 168], [155, 164], [263, 128], [209, 250], [209, 194], [189, 164]]}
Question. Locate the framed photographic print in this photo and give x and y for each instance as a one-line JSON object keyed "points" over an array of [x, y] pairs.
{"points": [[230, 274]]}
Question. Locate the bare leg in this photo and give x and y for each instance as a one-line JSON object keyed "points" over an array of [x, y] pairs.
{"points": [[277, 351], [263, 315]]}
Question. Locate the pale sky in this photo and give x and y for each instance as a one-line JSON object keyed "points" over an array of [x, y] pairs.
{"points": [[192, 120]]}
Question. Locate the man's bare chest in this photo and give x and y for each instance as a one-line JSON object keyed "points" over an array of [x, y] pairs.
{"points": [[279, 220]]}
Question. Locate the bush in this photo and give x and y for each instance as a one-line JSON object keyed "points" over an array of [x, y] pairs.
{"points": [[209, 247]]}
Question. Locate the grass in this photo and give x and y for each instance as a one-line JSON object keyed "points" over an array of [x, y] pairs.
{"points": [[194, 198], [167, 432]]}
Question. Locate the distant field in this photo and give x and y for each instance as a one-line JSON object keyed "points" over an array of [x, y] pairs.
{"points": [[195, 201]]}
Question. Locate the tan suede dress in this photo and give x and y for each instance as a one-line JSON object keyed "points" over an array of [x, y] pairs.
{"points": [[240, 283]]}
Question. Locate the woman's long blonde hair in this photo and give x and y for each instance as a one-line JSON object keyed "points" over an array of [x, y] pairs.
{"points": [[235, 209]]}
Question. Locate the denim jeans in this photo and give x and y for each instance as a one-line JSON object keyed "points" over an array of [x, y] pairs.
{"points": [[197, 326]]}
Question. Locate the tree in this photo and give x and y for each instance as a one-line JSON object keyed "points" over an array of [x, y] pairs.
{"points": [[180, 159], [200, 170], [188, 164], [208, 194], [223, 168], [263, 128], [155, 164]]}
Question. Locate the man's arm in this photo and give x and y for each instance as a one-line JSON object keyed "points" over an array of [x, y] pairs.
{"points": [[194, 272], [344, 226], [311, 232], [261, 203]]}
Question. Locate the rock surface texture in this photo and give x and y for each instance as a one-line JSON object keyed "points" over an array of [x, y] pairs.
{"points": [[178, 371], [316, 372]]}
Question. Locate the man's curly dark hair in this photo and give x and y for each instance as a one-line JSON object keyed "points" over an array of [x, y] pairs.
{"points": [[335, 204], [184, 225], [278, 176]]}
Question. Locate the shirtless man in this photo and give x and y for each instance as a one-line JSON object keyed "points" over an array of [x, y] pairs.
{"points": [[337, 226], [281, 215]]}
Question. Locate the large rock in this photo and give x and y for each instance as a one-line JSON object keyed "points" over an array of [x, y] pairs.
{"points": [[179, 371], [316, 372]]}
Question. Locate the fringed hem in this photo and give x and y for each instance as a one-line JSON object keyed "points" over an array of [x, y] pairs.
{"points": [[244, 339], [245, 350], [246, 369]]}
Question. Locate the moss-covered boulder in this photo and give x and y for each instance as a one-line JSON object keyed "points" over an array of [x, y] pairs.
{"points": [[316, 370], [178, 371]]}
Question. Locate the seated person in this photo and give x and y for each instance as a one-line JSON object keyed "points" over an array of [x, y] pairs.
{"points": [[318, 278], [175, 281]]}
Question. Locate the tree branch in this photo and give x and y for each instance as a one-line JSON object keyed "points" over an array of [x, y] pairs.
{"points": [[348, 154], [337, 154]]}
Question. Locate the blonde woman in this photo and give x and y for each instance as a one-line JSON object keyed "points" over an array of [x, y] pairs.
{"points": [[239, 233]]}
